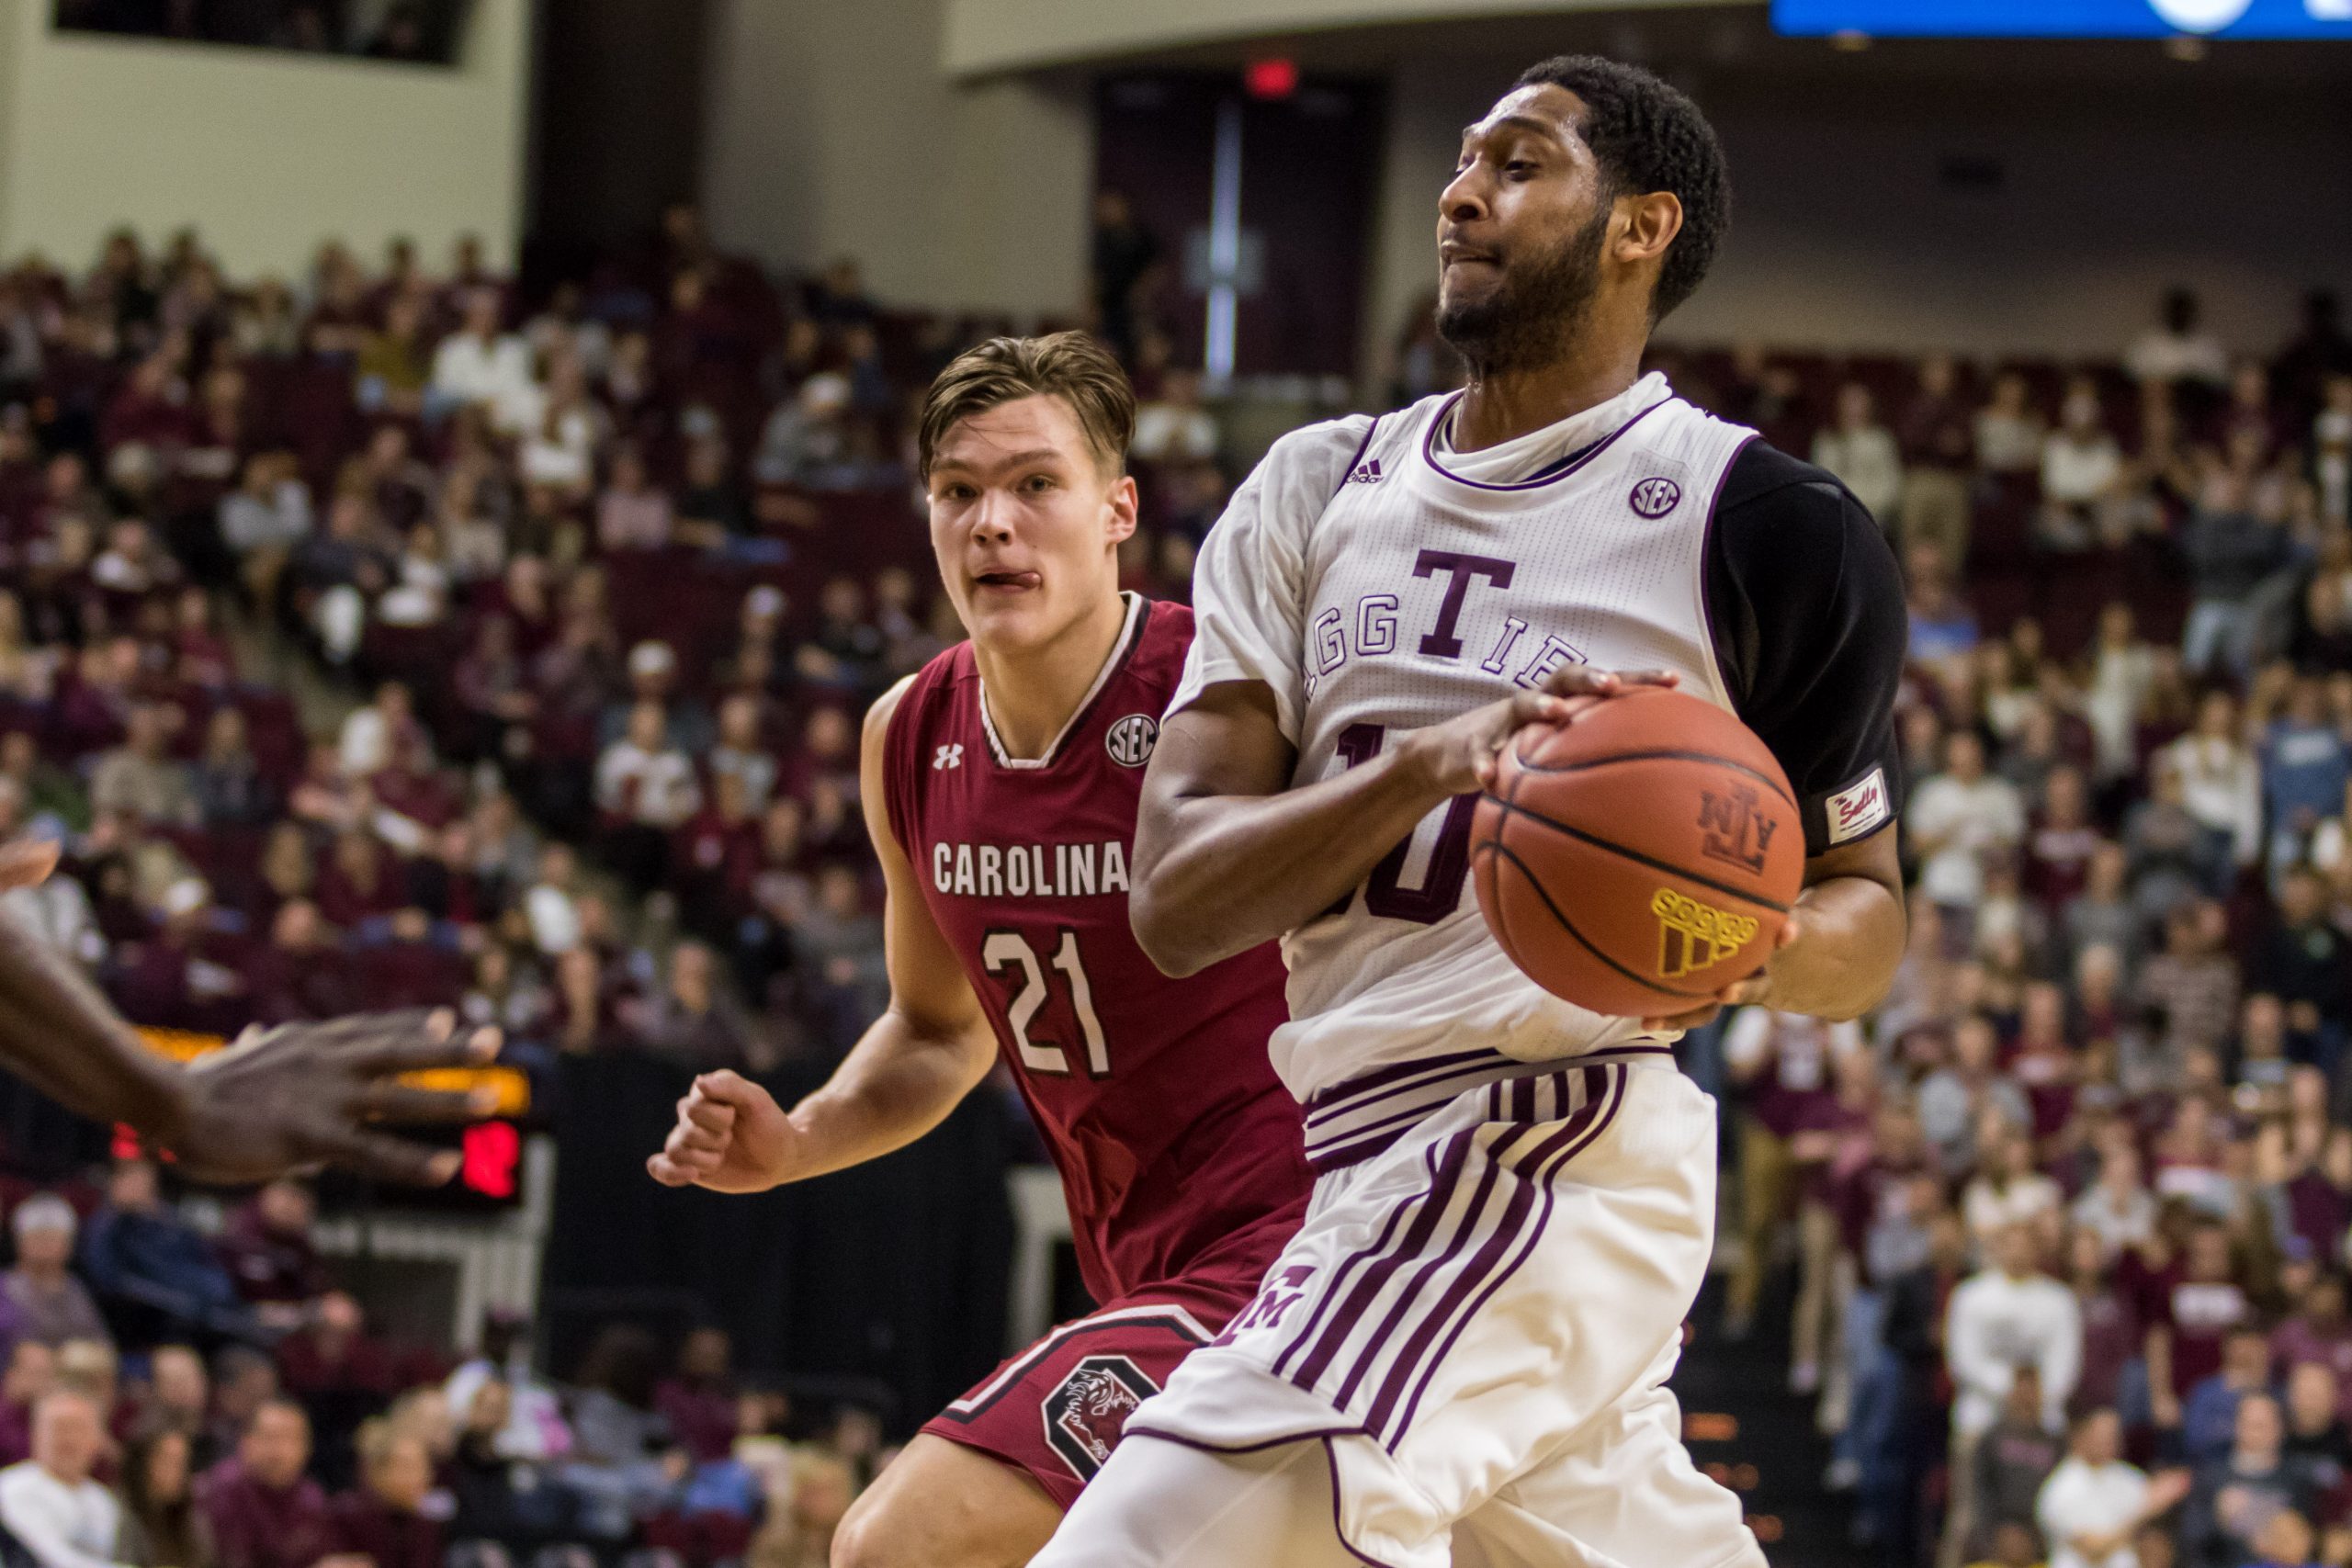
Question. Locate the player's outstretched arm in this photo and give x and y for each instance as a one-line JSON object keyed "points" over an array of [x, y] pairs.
{"points": [[1227, 857], [276, 1099], [911, 1067]]}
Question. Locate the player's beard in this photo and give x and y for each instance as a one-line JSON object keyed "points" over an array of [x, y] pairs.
{"points": [[1532, 315]]}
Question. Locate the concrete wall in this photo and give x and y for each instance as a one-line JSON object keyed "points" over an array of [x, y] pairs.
{"points": [[1846, 235], [266, 153], [832, 130]]}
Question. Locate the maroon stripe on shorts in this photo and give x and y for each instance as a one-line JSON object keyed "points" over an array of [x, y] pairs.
{"points": [[1380, 1244], [1368, 1286], [1589, 1133]]}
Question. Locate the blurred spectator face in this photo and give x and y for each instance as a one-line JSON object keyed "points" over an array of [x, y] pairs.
{"points": [[277, 1445], [401, 1475], [32, 1369], [826, 734], [2311, 1397], [645, 727], [2245, 1359], [2285, 1537], [2064, 800], [167, 1467], [2262, 1026], [2217, 715], [1964, 756], [131, 1187], [2098, 1438], [2259, 1430], [780, 830], [2209, 1253], [2015, 1252], [739, 722], [493, 1402], [175, 1373], [843, 600], [2080, 413], [287, 1208], [1853, 407], [44, 1236], [67, 1436], [704, 1355], [481, 313], [2015, 1546], [691, 973], [2301, 896], [2009, 393], [1973, 1045]]}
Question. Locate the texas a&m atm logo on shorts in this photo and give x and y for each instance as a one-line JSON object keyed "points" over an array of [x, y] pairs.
{"points": [[1085, 1415]]}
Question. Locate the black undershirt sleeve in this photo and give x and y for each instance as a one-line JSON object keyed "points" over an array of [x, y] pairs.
{"points": [[1805, 606]]}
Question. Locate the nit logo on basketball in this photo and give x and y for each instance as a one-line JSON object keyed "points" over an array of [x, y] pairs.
{"points": [[1732, 830]]}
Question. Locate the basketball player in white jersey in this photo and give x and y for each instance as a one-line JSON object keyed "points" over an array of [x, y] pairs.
{"points": [[1464, 1350]]}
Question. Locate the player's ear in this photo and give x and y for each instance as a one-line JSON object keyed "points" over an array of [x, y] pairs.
{"points": [[1651, 221], [1121, 506]]}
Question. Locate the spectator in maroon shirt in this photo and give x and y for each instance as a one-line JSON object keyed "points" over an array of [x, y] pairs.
{"points": [[699, 1402], [2189, 1318], [360, 880], [383, 1519], [268, 1251], [2059, 845], [2317, 1331], [264, 1511]]}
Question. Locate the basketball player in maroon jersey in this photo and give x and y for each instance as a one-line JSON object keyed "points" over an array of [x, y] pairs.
{"points": [[1000, 785]]}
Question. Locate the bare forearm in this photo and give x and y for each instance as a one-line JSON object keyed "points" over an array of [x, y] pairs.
{"points": [[1219, 874], [57, 1031], [1848, 945], [897, 1084]]}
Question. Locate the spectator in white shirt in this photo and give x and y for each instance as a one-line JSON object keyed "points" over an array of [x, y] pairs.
{"points": [[1862, 452], [2221, 781], [2082, 468], [646, 788], [2094, 1503], [2007, 1190], [1957, 819], [1174, 425], [478, 363], [2175, 350], [49, 1502], [2010, 429], [2002, 1318]]}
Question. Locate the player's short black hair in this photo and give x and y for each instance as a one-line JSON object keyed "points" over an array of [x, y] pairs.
{"points": [[1647, 136]]}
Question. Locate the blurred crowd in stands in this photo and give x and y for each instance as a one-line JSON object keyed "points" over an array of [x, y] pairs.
{"points": [[176, 1401], [2066, 1217]]}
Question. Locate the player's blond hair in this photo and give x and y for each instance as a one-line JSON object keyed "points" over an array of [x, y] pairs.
{"points": [[1070, 365]]}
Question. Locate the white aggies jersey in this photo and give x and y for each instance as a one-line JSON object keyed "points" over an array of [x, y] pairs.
{"points": [[1375, 590]]}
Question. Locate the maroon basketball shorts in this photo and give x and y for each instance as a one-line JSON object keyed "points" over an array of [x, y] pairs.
{"points": [[1058, 1408]]}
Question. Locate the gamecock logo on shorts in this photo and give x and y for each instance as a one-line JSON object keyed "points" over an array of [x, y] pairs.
{"points": [[1656, 497], [1131, 739], [1086, 1415]]}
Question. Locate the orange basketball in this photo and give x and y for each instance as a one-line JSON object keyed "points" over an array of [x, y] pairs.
{"points": [[1640, 858]]}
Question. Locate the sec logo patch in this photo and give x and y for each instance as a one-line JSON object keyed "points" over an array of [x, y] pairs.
{"points": [[1655, 497], [1131, 739]]}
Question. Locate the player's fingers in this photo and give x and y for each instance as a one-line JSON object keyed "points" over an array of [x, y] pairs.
{"points": [[412, 1043], [667, 1171], [381, 1156], [26, 862], [709, 1115], [390, 1101], [1789, 931], [728, 1087], [687, 1136]]}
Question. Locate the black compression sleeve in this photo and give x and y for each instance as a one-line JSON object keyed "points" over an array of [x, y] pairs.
{"points": [[1805, 606]]}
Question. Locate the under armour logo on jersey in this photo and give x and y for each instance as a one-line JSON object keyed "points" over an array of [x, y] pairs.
{"points": [[1131, 739], [947, 757], [1367, 473], [1655, 497]]}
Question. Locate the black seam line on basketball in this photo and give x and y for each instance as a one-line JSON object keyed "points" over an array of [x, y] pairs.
{"points": [[1726, 888], [1495, 846], [1760, 777]]}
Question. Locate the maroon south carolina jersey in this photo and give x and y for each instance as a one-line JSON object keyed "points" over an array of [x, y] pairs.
{"points": [[1178, 1148]]}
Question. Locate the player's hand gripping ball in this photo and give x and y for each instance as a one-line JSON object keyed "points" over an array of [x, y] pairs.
{"points": [[1640, 858]]}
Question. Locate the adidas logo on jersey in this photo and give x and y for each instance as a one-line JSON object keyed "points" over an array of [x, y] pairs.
{"points": [[1367, 473], [947, 757]]}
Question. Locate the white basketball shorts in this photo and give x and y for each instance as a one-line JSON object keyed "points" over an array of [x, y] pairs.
{"points": [[1479, 1315]]}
